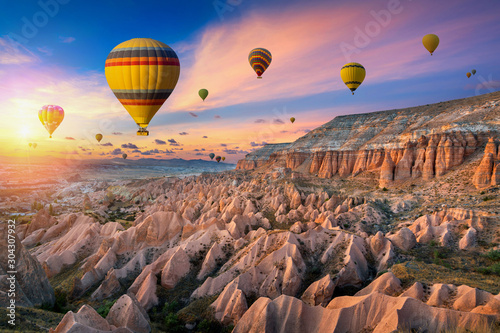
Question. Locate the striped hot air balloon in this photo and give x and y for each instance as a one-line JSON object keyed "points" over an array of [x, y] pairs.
{"points": [[259, 59], [51, 116], [353, 75], [142, 73]]}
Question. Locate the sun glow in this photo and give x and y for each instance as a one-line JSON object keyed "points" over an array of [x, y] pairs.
{"points": [[24, 131]]}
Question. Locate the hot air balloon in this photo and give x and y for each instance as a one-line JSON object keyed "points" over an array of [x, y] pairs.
{"points": [[124, 156], [430, 42], [292, 119], [223, 158], [34, 145], [218, 158], [473, 72], [212, 155], [468, 75], [98, 137], [51, 116], [353, 75], [142, 73], [29, 144], [260, 59], [203, 93]]}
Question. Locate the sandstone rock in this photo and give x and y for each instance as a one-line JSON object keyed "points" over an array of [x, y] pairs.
{"points": [[319, 292], [387, 284], [128, 313], [403, 239], [468, 240], [85, 320], [482, 176], [31, 283], [387, 171]]}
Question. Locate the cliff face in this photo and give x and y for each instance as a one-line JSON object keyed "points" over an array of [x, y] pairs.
{"points": [[488, 172], [424, 141]]}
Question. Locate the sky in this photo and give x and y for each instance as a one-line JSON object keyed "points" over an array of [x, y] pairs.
{"points": [[53, 52]]}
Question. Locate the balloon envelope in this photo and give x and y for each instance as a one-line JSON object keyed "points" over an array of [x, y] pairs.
{"points": [[98, 137], [223, 158], [124, 156], [468, 75], [473, 72], [51, 116], [430, 42], [212, 155], [218, 158], [34, 145], [292, 120], [353, 75], [260, 59], [203, 93], [29, 144], [142, 73]]}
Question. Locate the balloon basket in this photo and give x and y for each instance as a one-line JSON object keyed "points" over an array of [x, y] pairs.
{"points": [[259, 77], [143, 132]]}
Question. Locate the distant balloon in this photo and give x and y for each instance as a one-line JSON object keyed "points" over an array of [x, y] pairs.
{"points": [[29, 144], [353, 75], [98, 137], [142, 73], [203, 93], [51, 116], [34, 145], [218, 158], [430, 42], [260, 59], [223, 158], [292, 120], [212, 155], [468, 75], [124, 156], [473, 72]]}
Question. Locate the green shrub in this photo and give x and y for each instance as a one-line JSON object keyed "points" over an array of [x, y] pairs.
{"points": [[493, 255], [103, 310], [385, 189]]}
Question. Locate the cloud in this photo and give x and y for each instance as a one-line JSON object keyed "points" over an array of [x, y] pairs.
{"points": [[117, 151], [117, 133], [256, 144], [183, 133], [260, 121], [234, 151], [46, 50], [192, 114], [278, 121], [160, 142], [129, 146], [12, 53], [223, 145], [107, 144], [199, 154], [205, 137], [217, 116], [136, 151], [173, 142], [67, 39], [69, 138]]}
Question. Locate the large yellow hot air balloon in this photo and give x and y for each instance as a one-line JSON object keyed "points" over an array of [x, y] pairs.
{"points": [[142, 73], [353, 75], [51, 116], [98, 137], [430, 42]]}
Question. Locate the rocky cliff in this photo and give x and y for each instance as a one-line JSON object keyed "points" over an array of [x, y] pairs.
{"points": [[424, 141]]}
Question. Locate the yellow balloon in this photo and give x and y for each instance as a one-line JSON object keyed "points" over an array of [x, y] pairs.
{"points": [[98, 137], [353, 75], [51, 116], [430, 42], [142, 73]]}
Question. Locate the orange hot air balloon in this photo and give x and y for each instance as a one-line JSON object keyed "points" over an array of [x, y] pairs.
{"points": [[468, 75], [34, 145], [98, 137], [51, 117]]}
